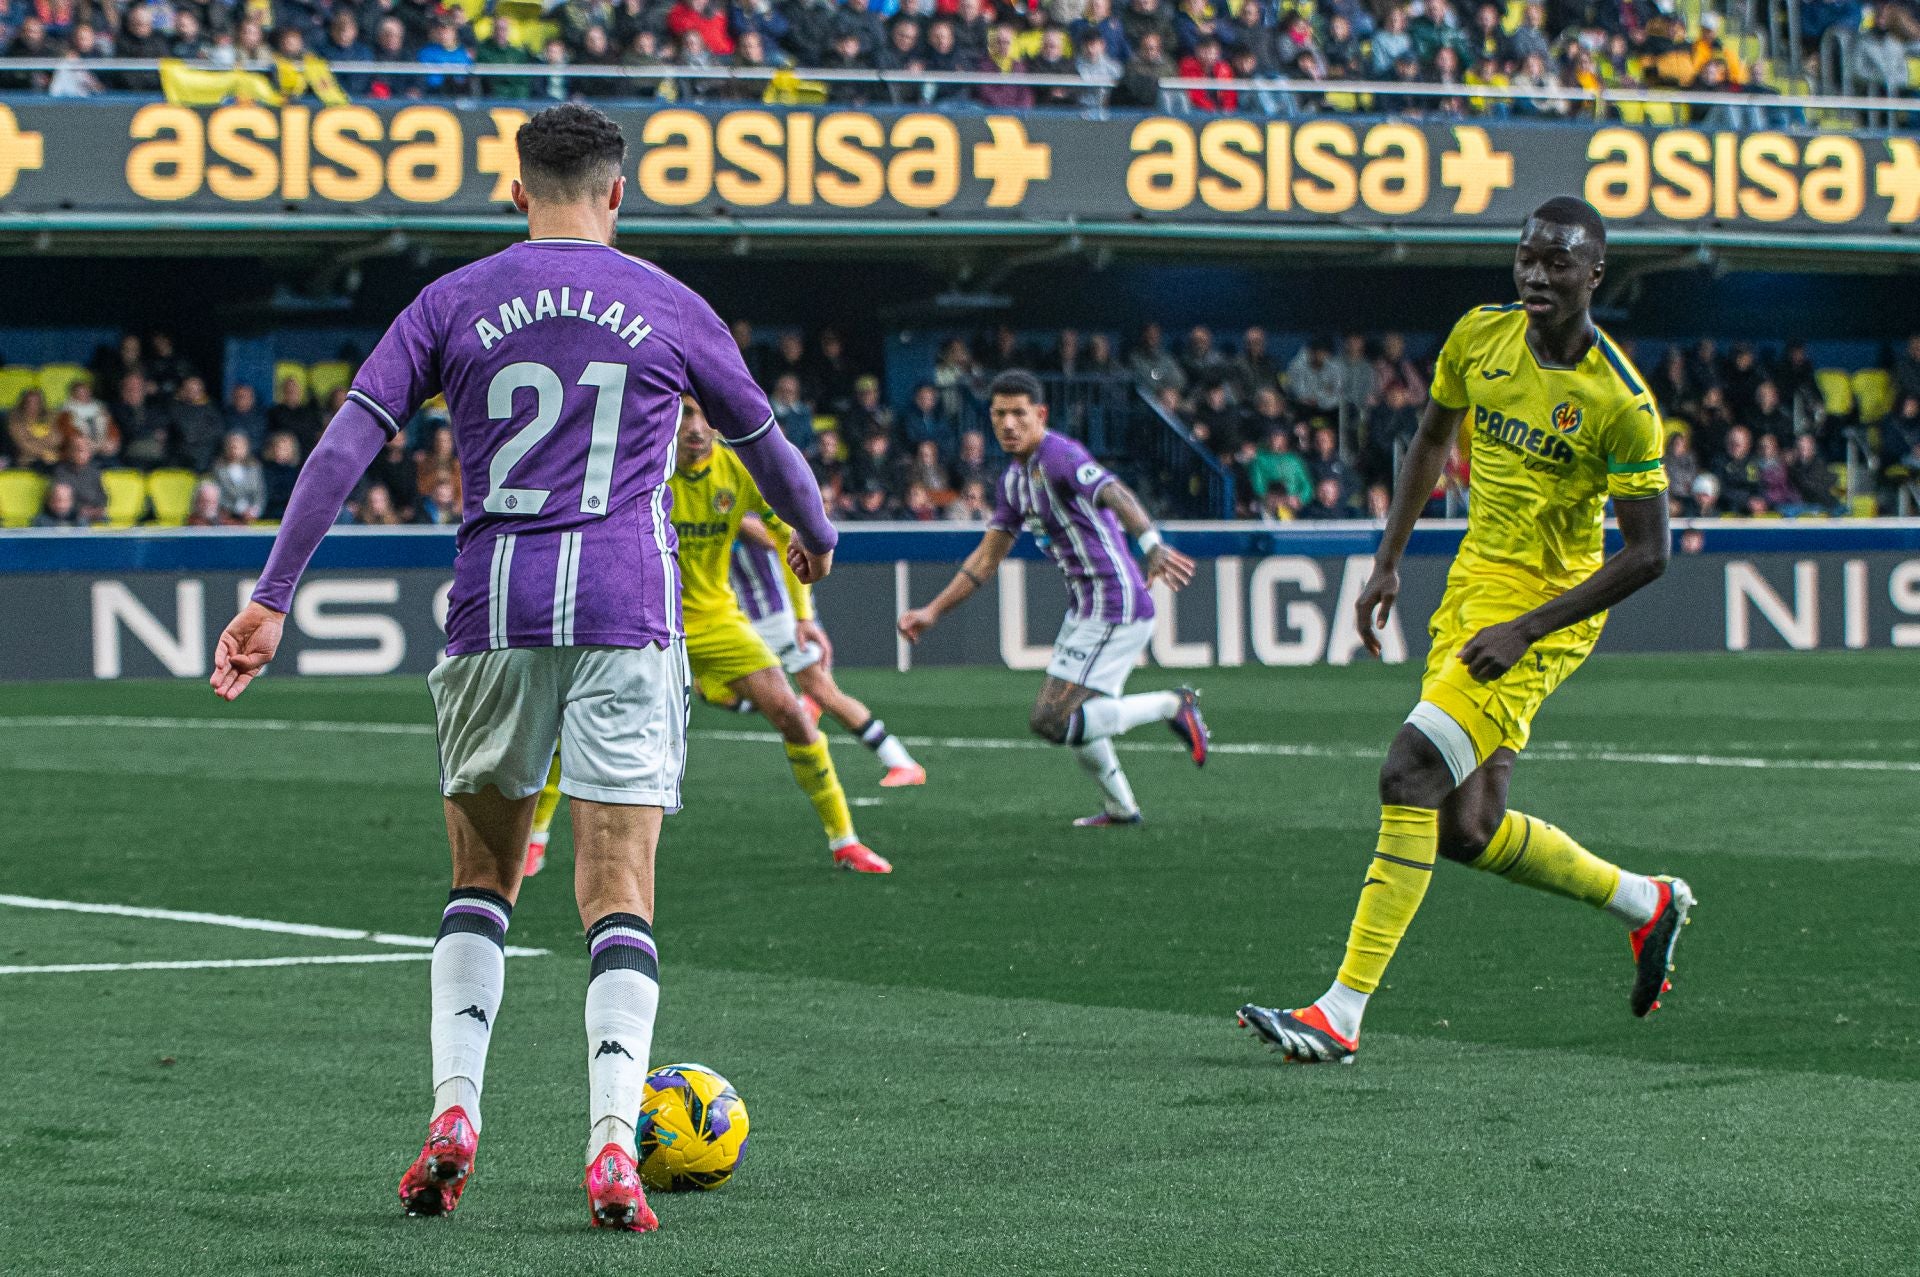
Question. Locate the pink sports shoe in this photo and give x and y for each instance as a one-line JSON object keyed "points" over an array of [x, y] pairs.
{"points": [[433, 1184], [614, 1193]]}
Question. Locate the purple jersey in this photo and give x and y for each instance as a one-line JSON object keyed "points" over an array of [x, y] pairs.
{"points": [[758, 581], [1052, 493], [563, 362]]}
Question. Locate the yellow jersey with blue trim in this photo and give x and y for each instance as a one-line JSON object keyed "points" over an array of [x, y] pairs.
{"points": [[1548, 447], [708, 504]]}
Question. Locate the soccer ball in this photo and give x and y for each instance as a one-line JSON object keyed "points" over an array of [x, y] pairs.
{"points": [[693, 1129]]}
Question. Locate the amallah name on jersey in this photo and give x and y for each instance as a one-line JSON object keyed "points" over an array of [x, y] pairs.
{"points": [[516, 314], [1543, 449]]}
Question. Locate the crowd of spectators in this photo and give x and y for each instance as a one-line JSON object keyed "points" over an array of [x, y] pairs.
{"points": [[1454, 46], [1317, 435], [161, 416]]}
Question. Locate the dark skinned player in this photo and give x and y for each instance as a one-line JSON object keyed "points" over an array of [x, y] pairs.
{"points": [[1560, 423]]}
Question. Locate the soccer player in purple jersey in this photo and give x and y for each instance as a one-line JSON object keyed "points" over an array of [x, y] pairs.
{"points": [[563, 363], [1081, 514], [796, 636]]}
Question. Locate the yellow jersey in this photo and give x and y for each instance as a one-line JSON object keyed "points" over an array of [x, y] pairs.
{"points": [[708, 505], [1549, 446]]}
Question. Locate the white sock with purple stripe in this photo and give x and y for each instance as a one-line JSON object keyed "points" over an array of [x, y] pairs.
{"points": [[1105, 716], [469, 976], [623, 994], [877, 738]]}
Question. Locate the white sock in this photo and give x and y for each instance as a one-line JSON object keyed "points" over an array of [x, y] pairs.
{"points": [[1343, 1008], [539, 838], [1635, 899], [469, 974], [623, 994], [877, 738], [1105, 716], [1099, 761]]}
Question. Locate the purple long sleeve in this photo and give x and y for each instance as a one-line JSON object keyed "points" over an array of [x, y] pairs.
{"points": [[783, 478], [352, 440]]}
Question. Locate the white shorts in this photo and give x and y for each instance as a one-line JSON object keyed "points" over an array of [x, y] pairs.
{"points": [[618, 713], [1099, 654], [778, 630]]}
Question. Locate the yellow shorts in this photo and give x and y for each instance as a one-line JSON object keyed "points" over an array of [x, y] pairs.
{"points": [[724, 650], [1500, 712]]}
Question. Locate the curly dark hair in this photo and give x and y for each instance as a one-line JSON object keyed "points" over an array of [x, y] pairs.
{"points": [[569, 152], [1017, 381]]}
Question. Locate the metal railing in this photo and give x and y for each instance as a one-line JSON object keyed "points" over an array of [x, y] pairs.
{"points": [[1189, 480], [1094, 91]]}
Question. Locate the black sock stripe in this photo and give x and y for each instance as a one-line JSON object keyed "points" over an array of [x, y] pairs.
{"points": [[630, 920], [1402, 860], [625, 957], [472, 924], [1526, 823], [1076, 727]]}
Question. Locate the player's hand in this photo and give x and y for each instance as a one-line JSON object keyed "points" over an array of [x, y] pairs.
{"points": [[810, 632], [1167, 564], [1375, 605], [1495, 650], [811, 568], [245, 647], [916, 622]]}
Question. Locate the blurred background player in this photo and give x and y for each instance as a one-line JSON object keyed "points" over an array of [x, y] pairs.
{"points": [[1562, 423], [712, 493], [564, 620], [1077, 510], [784, 617]]}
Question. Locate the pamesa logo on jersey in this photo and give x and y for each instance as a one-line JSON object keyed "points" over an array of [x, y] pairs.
{"points": [[1567, 418], [723, 500]]}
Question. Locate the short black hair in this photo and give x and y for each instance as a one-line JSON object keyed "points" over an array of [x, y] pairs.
{"points": [[570, 152], [1017, 381], [1571, 210]]}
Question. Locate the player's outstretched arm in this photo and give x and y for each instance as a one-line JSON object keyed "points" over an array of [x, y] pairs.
{"points": [[1645, 549], [1419, 471], [1163, 561], [788, 487], [352, 440], [980, 565]]}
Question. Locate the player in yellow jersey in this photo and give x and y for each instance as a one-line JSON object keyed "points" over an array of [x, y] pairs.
{"points": [[1560, 423], [712, 493]]}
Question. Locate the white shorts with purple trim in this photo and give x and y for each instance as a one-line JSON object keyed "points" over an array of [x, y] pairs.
{"points": [[777, 628], [618, 714], [1099, 654]]}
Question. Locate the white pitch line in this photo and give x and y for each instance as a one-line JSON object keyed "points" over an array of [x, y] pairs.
{"points": [[238, 923], [1545, 751], [220, 964]]}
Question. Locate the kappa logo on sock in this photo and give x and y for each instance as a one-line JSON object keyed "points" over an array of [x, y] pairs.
{"points": [[1371, 881], [476, 1013], [611, 1048]]}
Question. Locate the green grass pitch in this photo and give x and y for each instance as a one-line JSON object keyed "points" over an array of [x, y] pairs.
{"points": [[1015, 1055]]}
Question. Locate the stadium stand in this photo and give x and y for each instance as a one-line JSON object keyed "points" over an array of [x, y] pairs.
{"points": [[1205, 427], [1425, 57]]}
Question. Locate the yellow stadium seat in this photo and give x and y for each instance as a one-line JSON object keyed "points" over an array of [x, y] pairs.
{"points": [[126, 496], [1836, 390], [1631, 112], [56, 380], [327, 377], [1867, 507], [1665, 114], [15, 382], [172, 494], [1873, 393], [284, 369], [21, 494]]}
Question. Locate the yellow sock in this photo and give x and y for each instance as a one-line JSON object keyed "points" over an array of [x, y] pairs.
{"points": [[813, 769], [549, 800], [1397, 879], [1529, 851]]}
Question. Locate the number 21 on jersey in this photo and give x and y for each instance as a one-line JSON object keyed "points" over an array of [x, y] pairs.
{"points": [[609, 382]]}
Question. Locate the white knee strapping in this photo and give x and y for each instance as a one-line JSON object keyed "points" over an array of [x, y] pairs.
{"points": [[1451, 739]]}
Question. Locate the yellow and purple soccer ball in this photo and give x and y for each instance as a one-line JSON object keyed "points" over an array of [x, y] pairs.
{"points": [[693, 1129]]}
